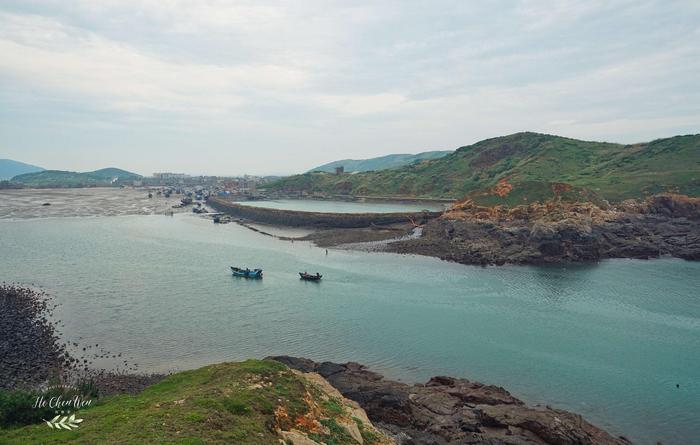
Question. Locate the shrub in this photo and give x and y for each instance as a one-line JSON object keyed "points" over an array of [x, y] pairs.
{"points": [[17, 409]]}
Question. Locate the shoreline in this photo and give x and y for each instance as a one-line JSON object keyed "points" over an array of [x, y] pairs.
{"points": [[35, 354], [450, 411], [445, 410], [553, 232], [540, 233]]}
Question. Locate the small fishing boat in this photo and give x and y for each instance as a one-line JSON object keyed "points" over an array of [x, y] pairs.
{"points": [[309, 277], [246, 273]]}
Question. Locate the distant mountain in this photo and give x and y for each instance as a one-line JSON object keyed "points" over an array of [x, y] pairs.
{"points": [[380, 163], [60, 178], [527, 167], [10, 168]]}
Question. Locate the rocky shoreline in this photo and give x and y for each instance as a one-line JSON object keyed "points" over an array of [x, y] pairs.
{"points": [[443, 411], [30, 350], [33, 356], [450, 411], [555, 232], [551, 232]]}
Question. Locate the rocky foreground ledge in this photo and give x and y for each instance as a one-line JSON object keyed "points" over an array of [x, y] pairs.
{"points": [[447, 411]]}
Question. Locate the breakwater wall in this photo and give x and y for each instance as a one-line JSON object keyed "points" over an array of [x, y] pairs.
{"points": [[361, 198], [295, 218]]}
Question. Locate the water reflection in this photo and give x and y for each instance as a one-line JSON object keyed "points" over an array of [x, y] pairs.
{"points": [[557, 283]]}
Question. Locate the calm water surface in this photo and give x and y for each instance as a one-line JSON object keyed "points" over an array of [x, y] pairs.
{"points": [[309, 205], [610, 341]]}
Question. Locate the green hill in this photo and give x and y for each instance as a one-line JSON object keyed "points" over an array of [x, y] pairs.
{"points": [[10, 168], [526, 167], [60, 178], [251, 402], [380, 163]]}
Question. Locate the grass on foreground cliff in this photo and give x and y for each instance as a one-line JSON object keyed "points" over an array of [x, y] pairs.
{"points": [[242, 403]]}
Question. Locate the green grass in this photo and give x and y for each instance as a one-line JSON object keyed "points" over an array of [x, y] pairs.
{"points": [[532, 163], [379, 163], [367, 435], [223, 403], [333, 406]]}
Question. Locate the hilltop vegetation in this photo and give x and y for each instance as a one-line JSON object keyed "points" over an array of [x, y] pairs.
{"points": [[10, 168], [252, 402], [527, 167], [380, 163], [60, 178]]}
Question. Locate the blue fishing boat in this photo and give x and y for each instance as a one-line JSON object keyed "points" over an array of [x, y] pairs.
{"points": [[246, 273]]}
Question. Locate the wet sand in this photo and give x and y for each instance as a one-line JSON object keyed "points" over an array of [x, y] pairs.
{"points": [[29, 203]]}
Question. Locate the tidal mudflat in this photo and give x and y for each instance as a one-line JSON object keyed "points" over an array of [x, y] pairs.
{"points": [[99, 201]]}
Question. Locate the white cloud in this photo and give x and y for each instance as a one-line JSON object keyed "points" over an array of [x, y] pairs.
{"points": [[342, 79], [358, 105], [54, 57]]}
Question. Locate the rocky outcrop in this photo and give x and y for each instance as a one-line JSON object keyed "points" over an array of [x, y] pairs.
{"points": [[447, 411], [556, 232], [347, 414], [673, 206], [293, 218]]}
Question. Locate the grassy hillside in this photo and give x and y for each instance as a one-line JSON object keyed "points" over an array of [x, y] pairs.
{"points": [[252, 402], [60, 178], [526, 167], [10, 168], [380, 163]]}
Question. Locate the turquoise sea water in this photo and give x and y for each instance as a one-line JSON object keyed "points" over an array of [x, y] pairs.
{"points": [[308, 205], [609, 340]]}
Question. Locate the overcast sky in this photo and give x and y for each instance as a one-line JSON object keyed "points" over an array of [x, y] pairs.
{"points": [[265, 87]]}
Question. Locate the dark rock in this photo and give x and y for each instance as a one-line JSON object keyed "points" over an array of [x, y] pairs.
{"points": [[450, 411], [551, 247], [298, 363], [561, 233]]}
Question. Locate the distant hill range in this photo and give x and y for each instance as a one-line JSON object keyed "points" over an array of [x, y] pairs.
{"points": [[60, 178], [527, 167], [10, 168], [380, 163]]}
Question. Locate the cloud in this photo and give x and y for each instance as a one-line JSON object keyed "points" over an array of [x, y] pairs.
{"points": [[358, 105], [341, 79], [54, 57]]}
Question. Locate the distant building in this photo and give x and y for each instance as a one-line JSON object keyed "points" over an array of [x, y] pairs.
{"points": [[169, 175], [339, 170]]}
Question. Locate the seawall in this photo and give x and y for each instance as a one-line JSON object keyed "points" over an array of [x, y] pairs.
{"points": [[295, 218]]}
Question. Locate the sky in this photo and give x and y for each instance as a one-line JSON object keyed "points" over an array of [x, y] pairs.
{"points": [[278, 87]]}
